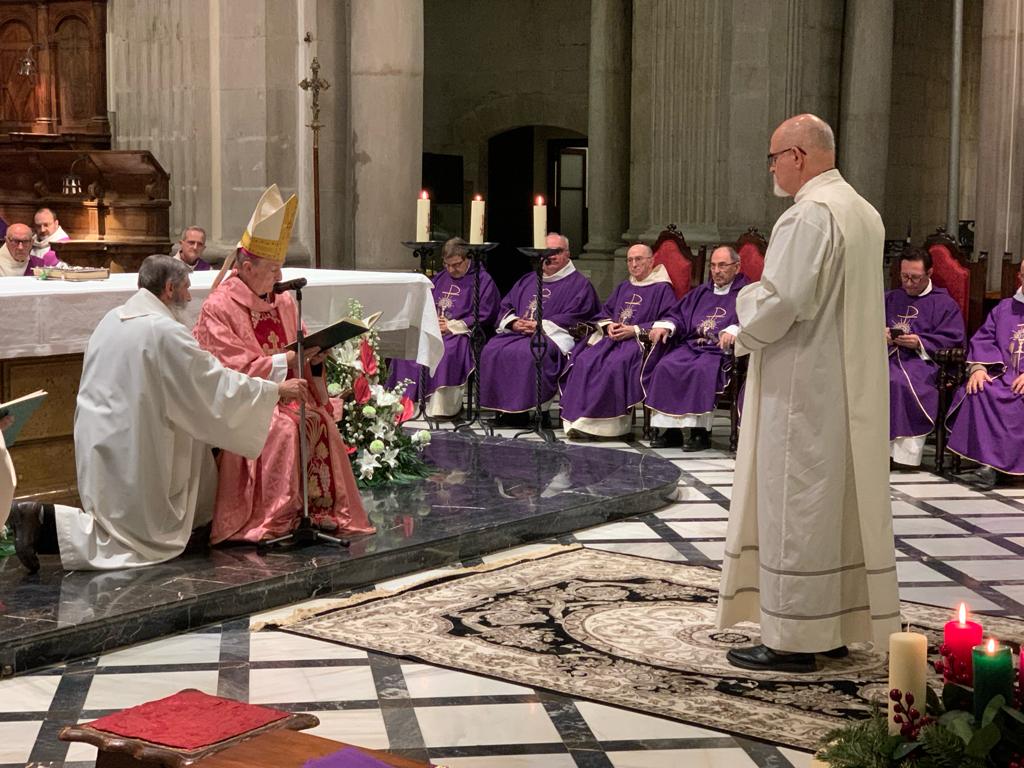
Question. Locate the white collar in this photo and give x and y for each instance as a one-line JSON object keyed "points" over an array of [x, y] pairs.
{"points": [[565, 271], [658, 275], [1019, 295], [145, 303], [925, 292], [40, 246], [724, 289], [820, 180]]}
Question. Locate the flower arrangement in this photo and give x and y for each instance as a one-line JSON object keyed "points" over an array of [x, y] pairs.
{"points": [[372, 415]]}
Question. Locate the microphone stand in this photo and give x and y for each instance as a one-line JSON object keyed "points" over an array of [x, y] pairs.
{"points": [[477, 336], [539, 344], [305, 533]]}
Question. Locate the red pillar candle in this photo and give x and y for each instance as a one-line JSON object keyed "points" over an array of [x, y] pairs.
{"points": [[959, 638]]}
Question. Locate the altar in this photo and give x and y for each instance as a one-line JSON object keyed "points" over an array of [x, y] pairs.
{"points": [[47, 324]]}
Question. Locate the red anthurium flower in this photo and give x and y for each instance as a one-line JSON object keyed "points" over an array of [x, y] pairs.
{"points": [[361, 390], [407, 410], [367, 358]]}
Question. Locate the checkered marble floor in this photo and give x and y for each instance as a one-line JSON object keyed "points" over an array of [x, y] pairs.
{"points": [[953, 544]]}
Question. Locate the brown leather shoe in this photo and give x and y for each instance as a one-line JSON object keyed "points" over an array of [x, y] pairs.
{"points": [[25, 521]]}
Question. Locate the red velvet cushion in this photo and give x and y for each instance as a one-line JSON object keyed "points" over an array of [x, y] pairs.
{"points": [[679, 268], [189, 719], [950, 274], [751, 261]]}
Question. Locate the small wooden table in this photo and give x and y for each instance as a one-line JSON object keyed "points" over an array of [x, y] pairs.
{"points": [[291, 749]]}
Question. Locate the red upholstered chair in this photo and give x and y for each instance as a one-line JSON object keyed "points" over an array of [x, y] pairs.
{"points": [[751, 247], [965, 280], [684, 269]]}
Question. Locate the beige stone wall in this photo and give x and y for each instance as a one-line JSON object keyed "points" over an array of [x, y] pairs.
{"points": [[916, 181]]}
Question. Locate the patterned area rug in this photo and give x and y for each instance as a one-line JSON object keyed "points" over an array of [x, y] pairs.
{"points": [[621, 630]]}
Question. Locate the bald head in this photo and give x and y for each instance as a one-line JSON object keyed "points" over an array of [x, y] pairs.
{"points": [[19, 241], [801, 148], [640, 261]]}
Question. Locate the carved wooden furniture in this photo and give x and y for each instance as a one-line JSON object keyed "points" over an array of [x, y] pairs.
{"points": [[684, 269], [63, 102], [951, 376], [120, 214]]}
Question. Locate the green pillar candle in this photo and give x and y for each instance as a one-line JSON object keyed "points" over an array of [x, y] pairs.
{"points": [[993, 675]]}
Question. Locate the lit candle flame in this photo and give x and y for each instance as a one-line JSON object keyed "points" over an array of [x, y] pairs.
{"points": [[540, 200], [990, 646], [477, 197], [963, 613], [423, 195]]}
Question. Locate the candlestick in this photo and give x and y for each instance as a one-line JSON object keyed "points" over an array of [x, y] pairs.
{"points": [[423, 218], [908, 672], [540, 223], [959, 639], [476, 221], [993, 675]]}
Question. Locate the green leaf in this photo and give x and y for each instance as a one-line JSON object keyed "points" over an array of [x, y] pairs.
{"points": [[1016, 714], [983, 741], [905, 749], [961, 726], [933, 704], [956, 697], [995, 704]]}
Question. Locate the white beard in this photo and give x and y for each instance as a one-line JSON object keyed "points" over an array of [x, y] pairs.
{"points": [[777, 190]]}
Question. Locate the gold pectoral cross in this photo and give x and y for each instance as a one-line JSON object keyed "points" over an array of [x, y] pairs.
{"points": [[446, 302], [707, 327], [903, 321], [531, 308], [629, 309], [1017, 348]]}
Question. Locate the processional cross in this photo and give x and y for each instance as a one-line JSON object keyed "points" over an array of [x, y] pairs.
{"points": [[315, 85]]}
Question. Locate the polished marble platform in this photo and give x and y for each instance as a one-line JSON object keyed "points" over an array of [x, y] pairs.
{"points": [[486, 494]]}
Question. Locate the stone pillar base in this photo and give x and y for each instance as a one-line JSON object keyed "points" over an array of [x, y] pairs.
{"points": [[600, 268]]}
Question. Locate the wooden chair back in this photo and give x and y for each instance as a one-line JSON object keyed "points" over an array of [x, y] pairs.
{"points": [[751, 247], [684, 269]]}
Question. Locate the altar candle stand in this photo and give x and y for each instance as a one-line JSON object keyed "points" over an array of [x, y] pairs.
{"points": [[476, 221], [993, 675], [959, 639], [908, 672], [540, 223], [423, 218]]}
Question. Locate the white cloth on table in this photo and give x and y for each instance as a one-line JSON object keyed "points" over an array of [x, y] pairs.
{"points": [[8, 481]]}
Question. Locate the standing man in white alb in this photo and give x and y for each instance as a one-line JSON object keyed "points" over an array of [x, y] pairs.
{"points": [[809, 551]]}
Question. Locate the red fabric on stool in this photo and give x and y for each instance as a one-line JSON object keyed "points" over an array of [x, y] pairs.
{"points": [[189, 720]]}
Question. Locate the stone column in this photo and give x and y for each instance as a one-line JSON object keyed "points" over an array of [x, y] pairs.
{"points": [[387, 128], [1000, 197], [607, 137], [863, 133]]}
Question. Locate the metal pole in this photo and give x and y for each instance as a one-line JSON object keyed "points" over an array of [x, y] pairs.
{"points": [[953, 192]]}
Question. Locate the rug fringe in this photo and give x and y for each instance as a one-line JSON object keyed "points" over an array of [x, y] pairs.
{"points": [[302, 614]]}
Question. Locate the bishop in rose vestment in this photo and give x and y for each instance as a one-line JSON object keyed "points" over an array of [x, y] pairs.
{"points": [[507, 378], [928, 320], [453, 298], [809, 550], [602, 383], [986, 425]]}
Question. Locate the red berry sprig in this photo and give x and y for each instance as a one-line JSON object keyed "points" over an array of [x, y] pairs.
{"points": [[951, 669], [910, 719]]}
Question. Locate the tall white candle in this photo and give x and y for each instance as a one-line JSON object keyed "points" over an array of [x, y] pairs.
{"points": [[476, 221], [908, 670], [423, 218], [540, 223]]}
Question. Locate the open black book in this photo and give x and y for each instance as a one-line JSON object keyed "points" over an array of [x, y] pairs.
{"points": [[336, 333], [21, 409]]}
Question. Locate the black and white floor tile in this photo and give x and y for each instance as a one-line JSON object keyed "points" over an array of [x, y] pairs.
{"points": [[953, 544]]}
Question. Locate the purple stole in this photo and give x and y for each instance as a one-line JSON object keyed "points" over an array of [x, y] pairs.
{"points": [[690, 374], [507, 379], [453, 298], [913, 381], [603, 379], [987, 426]]}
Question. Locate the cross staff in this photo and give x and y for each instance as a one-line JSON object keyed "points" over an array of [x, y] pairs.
{"points": [[315, 85]]}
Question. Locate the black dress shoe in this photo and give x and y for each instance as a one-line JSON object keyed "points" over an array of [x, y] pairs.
{"points": [[668, 438], [837, 653], [25, 521], [698, 440], [985, 479], [761, 658]]}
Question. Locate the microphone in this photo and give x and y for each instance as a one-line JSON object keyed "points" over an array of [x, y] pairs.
{"points": [[290, 285]]}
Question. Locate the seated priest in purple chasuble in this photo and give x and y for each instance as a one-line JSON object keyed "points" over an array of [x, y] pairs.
{"points": [[602, 383], [507, 374], [684, 382], [453, 298], [986, 419], [247, 327], [920, 319]]}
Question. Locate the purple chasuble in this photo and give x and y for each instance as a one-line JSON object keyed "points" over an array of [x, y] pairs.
{"points": [[49, 259], [200, 266], [453, 298], [691, 372], [603, 379], [987, 426], [913, 381], [507, 379]]}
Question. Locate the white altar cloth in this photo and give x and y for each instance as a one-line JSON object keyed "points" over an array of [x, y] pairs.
{"points": [[54, 317]]}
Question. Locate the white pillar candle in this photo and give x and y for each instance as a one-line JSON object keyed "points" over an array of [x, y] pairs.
{"points": [[540, 223], [476, 221], [423, 218], [908, 670]]}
